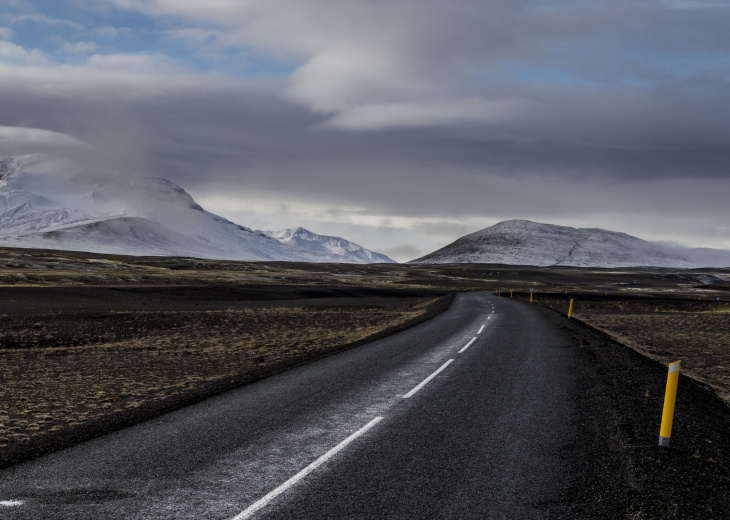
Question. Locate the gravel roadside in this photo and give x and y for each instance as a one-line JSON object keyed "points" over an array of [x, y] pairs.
{"points": [[620, 395]]}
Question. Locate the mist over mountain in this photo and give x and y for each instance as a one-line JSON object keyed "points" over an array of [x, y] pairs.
{"points": [[522, 242], [51, 202]]}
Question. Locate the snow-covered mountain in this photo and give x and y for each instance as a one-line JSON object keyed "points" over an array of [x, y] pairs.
{"points": [[521, 242], [303, 239], [53, 203]]}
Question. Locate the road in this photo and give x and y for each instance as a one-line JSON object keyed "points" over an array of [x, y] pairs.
{"points": [[469, 415]]}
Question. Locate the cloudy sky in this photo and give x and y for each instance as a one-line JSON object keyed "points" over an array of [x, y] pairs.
{"points": [[398, 124]]}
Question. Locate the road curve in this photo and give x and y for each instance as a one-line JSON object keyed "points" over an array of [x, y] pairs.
{"points": [[472, 414]]}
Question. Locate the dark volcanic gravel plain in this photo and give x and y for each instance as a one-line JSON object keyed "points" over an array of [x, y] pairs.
{"points": [[619, 402]]}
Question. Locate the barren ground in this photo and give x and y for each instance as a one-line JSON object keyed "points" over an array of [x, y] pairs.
{"points": [[110, 340], [693, 331], [98, 356]]}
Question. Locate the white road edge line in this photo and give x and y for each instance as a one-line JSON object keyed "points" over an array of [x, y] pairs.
{"points": [[480, 329], [11, 503], [467, 345], [263, 501], [423, 383]]}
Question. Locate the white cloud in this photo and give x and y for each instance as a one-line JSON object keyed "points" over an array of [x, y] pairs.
{"points": [[36, 18], [349, 77], [15, 54], [14, 140], [375, 64], [368, 58], [390, 115], [6, 33], [79, 47]]}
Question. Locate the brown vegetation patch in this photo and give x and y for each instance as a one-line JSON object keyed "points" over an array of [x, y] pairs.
{"points": [[695, 332], [61, 370]]}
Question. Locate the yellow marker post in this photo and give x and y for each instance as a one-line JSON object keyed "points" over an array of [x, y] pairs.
{"points": [[510, 293], [570, 309], [530, 296], [670, 398]]}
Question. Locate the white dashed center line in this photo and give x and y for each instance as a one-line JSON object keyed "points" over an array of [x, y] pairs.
{"points": [[467, 345], [11, 503], [263, 501], [266, 499], [423, 383]]}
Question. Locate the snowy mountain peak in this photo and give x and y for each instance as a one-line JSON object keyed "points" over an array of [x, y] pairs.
{"points": [[53, 203], [286, 234], [8, 167], [304, 239], [167, 191], [516, 224], [523, 242]]}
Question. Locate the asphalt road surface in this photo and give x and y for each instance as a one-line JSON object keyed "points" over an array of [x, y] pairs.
{"points": [[474, 414]]}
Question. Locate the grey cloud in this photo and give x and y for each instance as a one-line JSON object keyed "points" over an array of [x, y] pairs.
{"points": [[616, 109], [19, 140], [206, 132], [442, 229]]}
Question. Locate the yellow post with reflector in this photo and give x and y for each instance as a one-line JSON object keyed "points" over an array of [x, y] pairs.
{"points": [[670, 398], [510, 293], [530, 296], [570, 309]]}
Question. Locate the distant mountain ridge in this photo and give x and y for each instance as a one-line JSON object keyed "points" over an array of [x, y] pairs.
{"points": [[304, 239], [53, 203], [522, 242]]}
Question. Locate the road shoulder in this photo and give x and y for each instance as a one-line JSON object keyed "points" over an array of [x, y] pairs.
{"points": [[620, 395]]}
